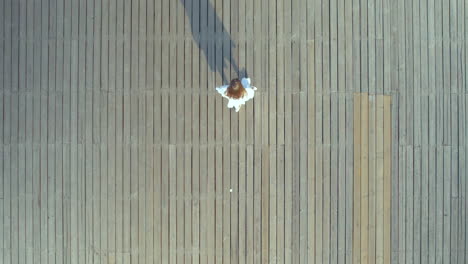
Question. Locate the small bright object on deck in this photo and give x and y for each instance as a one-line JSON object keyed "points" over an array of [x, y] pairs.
{"points": [[245, 92]]}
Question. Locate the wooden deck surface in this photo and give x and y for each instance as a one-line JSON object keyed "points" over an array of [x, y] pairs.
{"points": [[116, 148]]}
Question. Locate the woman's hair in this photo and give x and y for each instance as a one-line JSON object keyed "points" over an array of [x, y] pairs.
{"points": [[235, 90]]}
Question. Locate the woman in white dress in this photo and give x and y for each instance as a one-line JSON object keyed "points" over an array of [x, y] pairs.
{"points": [[237, 92]]}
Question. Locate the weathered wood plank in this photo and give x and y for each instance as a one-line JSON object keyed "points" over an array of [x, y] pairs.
{"points": [[30, 205], [119, 169], [51, 216], [334, 177], [364, 191], [150, 176], [7, 199], [265, 203], [15, 174], [387, 192], [226, 204], [425, 180], [104, 154], [111, 169], [2, 46], [96, 229], [126, 177], [372, 175], [357, 179], [250, 204], [379, 148], [409, 202], [158, 210], [463, 187], [311, 157], [164, 243], [446, 201], [2, 206]]}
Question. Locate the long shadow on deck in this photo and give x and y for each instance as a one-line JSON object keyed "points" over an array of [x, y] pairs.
{"points": [[211, 37]]}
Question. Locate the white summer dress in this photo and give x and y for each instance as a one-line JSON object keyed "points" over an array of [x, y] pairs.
{"points": [[237, 103]]}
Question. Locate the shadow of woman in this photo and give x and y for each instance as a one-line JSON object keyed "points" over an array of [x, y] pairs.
{"points": [[206, 37]]}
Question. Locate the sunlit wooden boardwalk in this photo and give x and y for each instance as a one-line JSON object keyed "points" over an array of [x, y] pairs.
{"points": [[116, 148]]}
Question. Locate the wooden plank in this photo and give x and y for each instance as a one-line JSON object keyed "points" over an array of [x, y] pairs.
{"points": [[432, 180], [318, 134], [149, 181], [7, 199], [409, 63], [96, 199], [462, 203], [417, 203], [279, 205], [334, 175], [379, 149], [364, 177], [134, 170], [195, 205], [288, 181], [203, 121], [424, 180], [158, 204], [371, 15], [29, 207], [455, 181], [180, 134], [21, 204], [126, 177], [250, 204], [133, 198], [311, 158], [341, 74], [104, 153], [134, 136], [272, 130], [439, 205], [463, 219], [372, 176], [111, 171], [409, 202], [15, 174], [446, 203], [195, 140], [357, 180], [402, 203], [265, 193], [303, 148], [2, 200], [234, 205], [88, 164], [21, 179], [387, 192], [22, 44], [51, 216], [15, 28], [416, 102], [7, 14], [242, 193], [2, 48], [446, 72], [226, 204], [219, 202], [326, 62], [349, 131], [401, 75], [119, 169], [173, 163], [141, 185]]}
